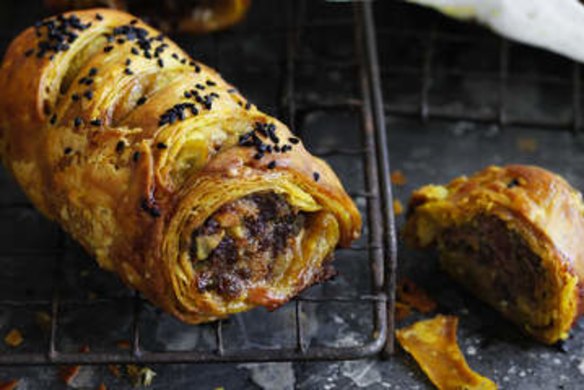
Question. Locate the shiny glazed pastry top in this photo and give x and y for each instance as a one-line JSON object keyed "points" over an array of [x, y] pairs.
{"points": [[163, 171], [513, 236]]}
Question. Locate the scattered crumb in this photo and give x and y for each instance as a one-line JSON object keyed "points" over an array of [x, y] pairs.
{"points": [[123, 344], [115, 370], [398, 207], [84, 349], [398, 178], [102, 387], [13, 338], [43, 321], [10, 385], [68, 373], [140, 376], [408, 293], [402, 311], [528, 145]]}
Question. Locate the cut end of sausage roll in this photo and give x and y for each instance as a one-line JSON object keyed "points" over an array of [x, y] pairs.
{"points": [[163, 171], [509, 235]]}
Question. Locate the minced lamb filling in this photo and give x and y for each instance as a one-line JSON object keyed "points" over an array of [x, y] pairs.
{"points": [[499, 266], [244, 242]]}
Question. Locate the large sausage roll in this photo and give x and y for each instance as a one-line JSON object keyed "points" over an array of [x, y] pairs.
{"points": [[163, 171], [512, 235]]}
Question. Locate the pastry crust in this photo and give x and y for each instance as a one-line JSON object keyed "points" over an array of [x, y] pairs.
{"points": [[512, 235], [130, 145]]}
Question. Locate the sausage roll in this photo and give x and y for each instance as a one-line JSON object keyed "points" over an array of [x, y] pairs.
{"points": [[163, 171], [513, 236], [191, 16]]}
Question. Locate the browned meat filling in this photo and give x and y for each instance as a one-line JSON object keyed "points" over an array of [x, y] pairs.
{"points": [[495, 262], [244, 241]]}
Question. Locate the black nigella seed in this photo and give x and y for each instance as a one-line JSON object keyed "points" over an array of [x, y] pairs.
{"points": [[187, 94], [160, 63], [513, 183], [211, 83], [88, 95], [272, 165], [53, 119], [136, 156], [197, 68], [78, 121], [200, 86], [75, 97], [95, 122], [68, 150], [107, 49], [98, 17], [120, 146], [135, 51], [128, 71], [183, 61], [293, 140], [92, 72], [316, 176], [258, 156], [175, 56], [141, 101], [161, 145], [128, 62]]}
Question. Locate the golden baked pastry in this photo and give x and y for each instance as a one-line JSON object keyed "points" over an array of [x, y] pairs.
{"points": [[190, 16], [513, 236], [433, 345], [163, 171]]}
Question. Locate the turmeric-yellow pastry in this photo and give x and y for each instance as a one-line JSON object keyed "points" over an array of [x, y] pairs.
{"points": [[513, 236], [163, 171]]}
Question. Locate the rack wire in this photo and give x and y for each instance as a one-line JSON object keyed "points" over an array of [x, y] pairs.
{"points": [[45, 303]]}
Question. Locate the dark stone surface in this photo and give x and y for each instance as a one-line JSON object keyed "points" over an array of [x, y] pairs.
{"points": [[463, 79]]}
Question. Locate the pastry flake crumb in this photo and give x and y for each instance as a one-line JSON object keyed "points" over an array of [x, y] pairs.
{"points": [[409, 293], [527, 145], [402, 311], [398, 207], [123, 344], [140, 376], [434, 346], [9, 385], [398, 178], [13, 338], [68, 373]]}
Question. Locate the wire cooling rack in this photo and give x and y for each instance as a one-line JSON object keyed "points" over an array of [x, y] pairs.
{"points": [[311, 63]]}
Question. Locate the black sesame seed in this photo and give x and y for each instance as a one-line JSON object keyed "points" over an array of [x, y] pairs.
{"points": [[78, 121], [88, 94], [68, 150], [92, 72], [29, 52], [88, 81], [161, 145], [107, 49], [75, 97], [120, 41], [187, 94], [53, 119], [128, 62], [197, 68], [128, 71], [175, 56], [135, 51], [136, 156], [200, 86], [154, 211], [95, 122], [513, 183], [293, 140], [120, 146], [160, 63], [183, 61], [247, 105], [272, 165], [211, 83], [98, 17], [141, 101], [316, 176], [133, 21], [258, 156]]}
